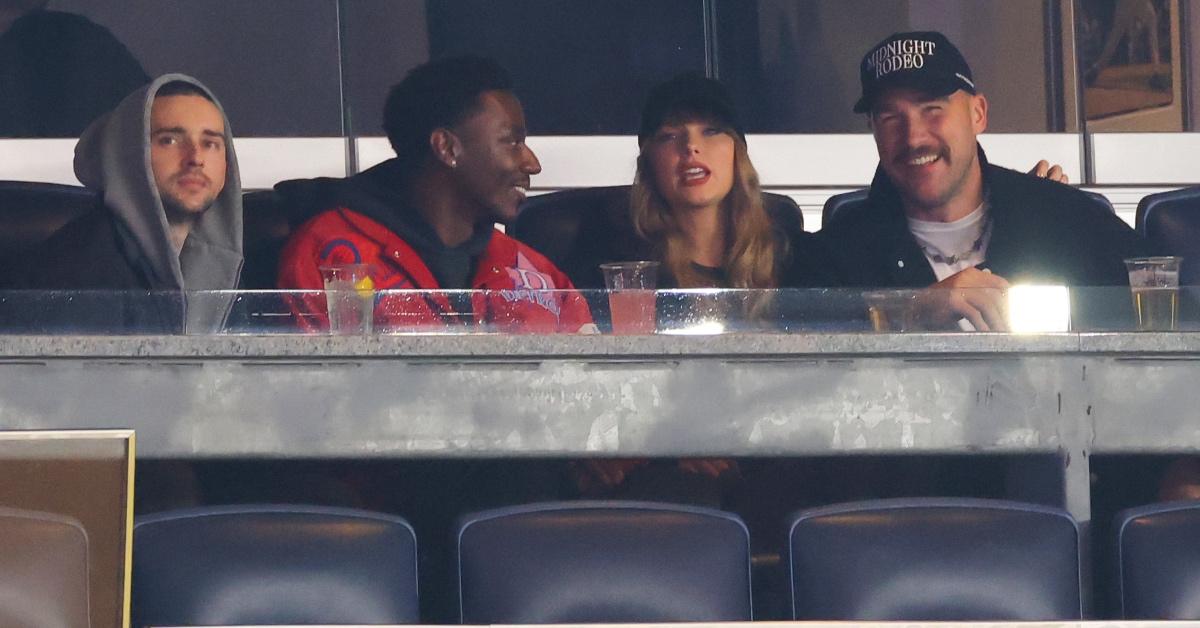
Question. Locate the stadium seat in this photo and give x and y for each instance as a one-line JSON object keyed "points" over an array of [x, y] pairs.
{"points": [[1101, 200], [31, 212], [934, 559], [837, 203], [584, 562], [1171, 222], [550, 222], [564, 226], [43, 570], [273, 564], [1158, 561]]}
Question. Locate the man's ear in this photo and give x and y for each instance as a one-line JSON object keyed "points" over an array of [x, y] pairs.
{"points": [[979, 113], [446, 147]]}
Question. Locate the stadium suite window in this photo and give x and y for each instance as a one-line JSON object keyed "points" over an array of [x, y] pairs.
{"points": [[580, 68], [793, 66], [272, 63]]}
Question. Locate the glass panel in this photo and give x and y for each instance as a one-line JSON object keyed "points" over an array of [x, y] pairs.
{"points": [[579, 67], [362, 311], [273, 64], [793, 65], [1129, 54]]}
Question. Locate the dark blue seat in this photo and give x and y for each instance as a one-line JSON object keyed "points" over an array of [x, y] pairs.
{"points": [[273, 564], [583, 562], [30, 212], [934, 559], [1171, 223], [836, 204], [43, 570], [551, 223], [1158, 561]]}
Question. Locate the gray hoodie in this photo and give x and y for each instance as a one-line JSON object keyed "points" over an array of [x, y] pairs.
{"points": [[113, 158]]}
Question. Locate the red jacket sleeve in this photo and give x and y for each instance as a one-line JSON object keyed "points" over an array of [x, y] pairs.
{"points": [[299, 269]]}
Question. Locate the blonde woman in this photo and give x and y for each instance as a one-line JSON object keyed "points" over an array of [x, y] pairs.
{"points": [[697, 208], [696, 204]]}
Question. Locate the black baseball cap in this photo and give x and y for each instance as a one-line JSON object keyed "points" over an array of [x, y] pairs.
{"points": [[923, 60], [687, 94]]}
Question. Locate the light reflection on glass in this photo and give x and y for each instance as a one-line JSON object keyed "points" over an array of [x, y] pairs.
{"points": [[1039, 309]]}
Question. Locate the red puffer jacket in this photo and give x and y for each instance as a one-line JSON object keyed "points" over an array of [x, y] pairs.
{"points": [[516, 277]]}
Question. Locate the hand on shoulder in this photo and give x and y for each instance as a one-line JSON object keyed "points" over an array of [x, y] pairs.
{"points": [[1055, 172]]}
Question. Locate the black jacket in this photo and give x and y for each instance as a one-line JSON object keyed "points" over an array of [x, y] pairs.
{"points": [[1042, 232]]}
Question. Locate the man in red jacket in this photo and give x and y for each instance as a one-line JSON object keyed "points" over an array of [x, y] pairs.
{"points": [[425, 220]]}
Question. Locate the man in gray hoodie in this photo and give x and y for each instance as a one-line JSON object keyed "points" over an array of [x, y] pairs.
{"points": [[168, 220]]}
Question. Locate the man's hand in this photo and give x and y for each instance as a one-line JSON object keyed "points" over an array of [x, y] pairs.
{"points": [[710, 467], [1044, 170], [603, 473], [973, 294]]}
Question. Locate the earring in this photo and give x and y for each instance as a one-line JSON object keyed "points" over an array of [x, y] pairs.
{"points": [[453, 163]]}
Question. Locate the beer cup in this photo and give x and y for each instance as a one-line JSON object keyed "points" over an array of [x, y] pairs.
{"points": [[891, 310], [1154, 282]]}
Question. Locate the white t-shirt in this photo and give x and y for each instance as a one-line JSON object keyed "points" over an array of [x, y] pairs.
{"points": [[951, 247]]}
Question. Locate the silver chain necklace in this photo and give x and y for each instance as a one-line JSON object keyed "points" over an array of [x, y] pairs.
{"points": [[950, 260]]}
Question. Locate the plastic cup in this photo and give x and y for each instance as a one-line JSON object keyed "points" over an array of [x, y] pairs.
{"points": [[631, 296], [1154, 282], [350, 298], [891, 310]]}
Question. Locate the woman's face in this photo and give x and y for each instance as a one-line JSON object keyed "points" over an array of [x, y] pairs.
{"points": [[692, 163]]}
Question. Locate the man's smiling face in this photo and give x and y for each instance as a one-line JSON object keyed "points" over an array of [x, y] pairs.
{"points": [[927, 143]]}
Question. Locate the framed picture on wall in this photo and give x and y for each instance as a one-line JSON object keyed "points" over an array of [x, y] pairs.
{"points": [[1130, 62]]}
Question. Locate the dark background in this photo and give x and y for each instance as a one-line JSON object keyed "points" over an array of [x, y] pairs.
{"points": [[322, 67]]}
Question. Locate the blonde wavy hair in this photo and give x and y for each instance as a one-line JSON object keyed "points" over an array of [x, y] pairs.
{"points": [[752, 252]]}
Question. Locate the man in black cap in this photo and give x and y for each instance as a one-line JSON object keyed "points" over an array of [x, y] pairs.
{"points": [[938, 214]]}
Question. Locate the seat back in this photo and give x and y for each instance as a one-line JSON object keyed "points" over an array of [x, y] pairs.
{"points": [[43, 570], [550, 223], [1158, 561], [1100, 199], [1171, 222], [31, 212], [603, 562], [838, 203], [934, 560], [273, 565]]}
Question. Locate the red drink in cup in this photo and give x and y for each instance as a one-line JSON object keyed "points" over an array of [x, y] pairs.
{"points": [[631, 296], [632, 311]]}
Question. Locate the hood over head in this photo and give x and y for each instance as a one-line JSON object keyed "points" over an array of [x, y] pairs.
{"points": [[113, 158]]}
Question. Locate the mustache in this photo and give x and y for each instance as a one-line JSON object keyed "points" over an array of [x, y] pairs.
{"points": [[193, 174]]}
